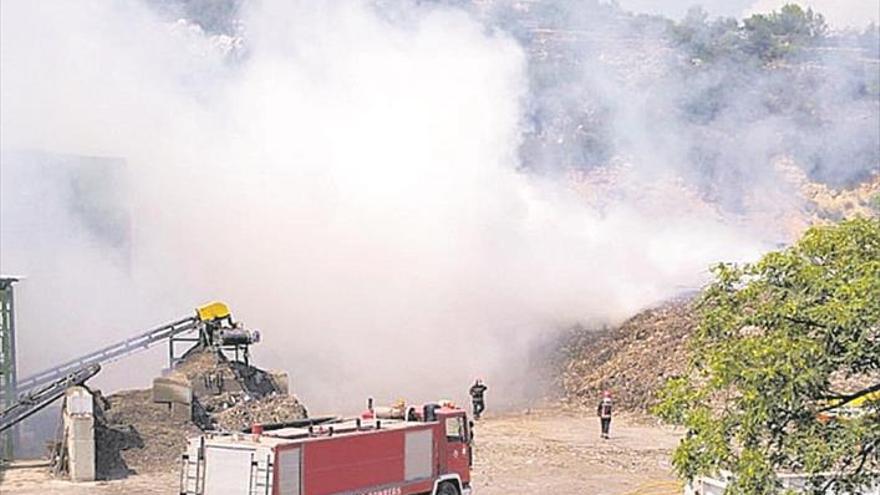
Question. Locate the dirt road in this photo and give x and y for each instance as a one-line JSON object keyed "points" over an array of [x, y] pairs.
{"points": [[562, 454], [541, 452]]}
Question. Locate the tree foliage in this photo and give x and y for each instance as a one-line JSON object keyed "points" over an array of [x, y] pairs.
{"points": [[777, 34], [785, 348], [764, 37]]}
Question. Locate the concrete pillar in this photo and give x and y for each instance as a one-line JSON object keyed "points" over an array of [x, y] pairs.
{"points": [[79, 429]]}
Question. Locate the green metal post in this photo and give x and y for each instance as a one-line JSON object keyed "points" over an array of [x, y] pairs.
{"points": [[8, 376]]}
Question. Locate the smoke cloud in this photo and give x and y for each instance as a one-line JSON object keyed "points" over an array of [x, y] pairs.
{"points": [[348, 177]]}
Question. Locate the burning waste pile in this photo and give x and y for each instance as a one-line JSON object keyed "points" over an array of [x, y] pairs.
{"points": [[632, 360], [140, 431], [228, 394]]}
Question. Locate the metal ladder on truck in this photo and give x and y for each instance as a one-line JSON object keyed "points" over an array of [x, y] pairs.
{"points": [[261, 476], [192, 474], [33, 391]]}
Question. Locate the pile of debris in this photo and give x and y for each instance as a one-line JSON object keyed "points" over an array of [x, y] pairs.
{"points": [[140, 431], [222, 388], [268, 411], [632, 361], [133, 434]]}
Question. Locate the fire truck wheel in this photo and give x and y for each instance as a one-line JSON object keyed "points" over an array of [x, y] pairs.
{"points": [[447, 488]]}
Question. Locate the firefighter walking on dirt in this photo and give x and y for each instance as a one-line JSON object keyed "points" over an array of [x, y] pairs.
{"points": [[478, 389], [604, 413]]}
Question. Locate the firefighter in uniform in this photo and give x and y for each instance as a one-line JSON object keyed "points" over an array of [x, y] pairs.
{"points": [[604, 413], [479, 402]]}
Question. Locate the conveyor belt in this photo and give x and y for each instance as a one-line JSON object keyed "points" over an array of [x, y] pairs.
{"points": [[41, 397], [110, 353], [39, 390]]}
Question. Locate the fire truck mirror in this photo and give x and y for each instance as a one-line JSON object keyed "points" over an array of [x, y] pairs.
{"points": [[430, 412]]}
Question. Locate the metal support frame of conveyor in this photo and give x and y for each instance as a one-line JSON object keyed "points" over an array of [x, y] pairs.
{"points": [[111, 353], [24, 397], [173, 358], [8, 369]]}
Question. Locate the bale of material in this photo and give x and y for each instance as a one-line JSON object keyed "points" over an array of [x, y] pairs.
{"points": [[281, 380], [172, 389], [208, 373]]}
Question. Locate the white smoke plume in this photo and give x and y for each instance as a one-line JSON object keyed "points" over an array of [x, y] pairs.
{"points": [[347, 178]]}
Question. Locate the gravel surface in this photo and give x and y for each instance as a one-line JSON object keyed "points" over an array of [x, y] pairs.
{"points": [[560, 452]]}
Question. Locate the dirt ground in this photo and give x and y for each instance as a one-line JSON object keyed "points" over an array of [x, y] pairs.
{"points": [[561, 453], [541, 452], [33, 478]]}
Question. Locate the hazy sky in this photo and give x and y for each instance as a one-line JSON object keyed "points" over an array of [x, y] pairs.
{"points": [[840, 13]]}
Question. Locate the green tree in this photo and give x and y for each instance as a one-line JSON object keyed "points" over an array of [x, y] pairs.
{"points": [[762, 37], [784, 347], [777, 34], [707, 40]]}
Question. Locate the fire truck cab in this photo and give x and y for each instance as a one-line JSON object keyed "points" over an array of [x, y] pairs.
{"points": [[429, 454]]}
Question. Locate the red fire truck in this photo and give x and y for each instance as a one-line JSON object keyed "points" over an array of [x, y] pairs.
{"points": [[427, 453]]}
